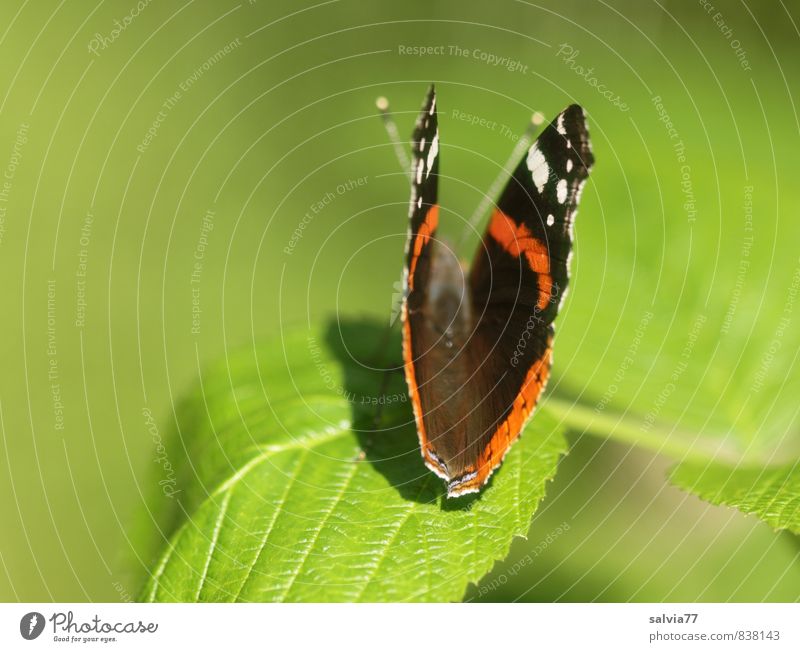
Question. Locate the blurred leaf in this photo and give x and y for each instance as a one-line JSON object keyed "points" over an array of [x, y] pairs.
{"points": [[613, 529], [711, 466], [772, 494], [298, 499]]}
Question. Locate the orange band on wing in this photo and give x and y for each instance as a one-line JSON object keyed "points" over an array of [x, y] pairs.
{"points": [[425, 233], [413, 389], [509, 430], [518, 240]]}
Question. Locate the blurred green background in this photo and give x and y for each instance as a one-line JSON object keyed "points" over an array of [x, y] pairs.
{"points": [[157, 167]]}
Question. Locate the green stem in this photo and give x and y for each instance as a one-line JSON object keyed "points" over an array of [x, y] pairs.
{"points": [[659, 438]]}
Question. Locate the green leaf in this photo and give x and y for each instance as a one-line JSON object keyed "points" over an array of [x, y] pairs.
{"points": [[772, 493], [297, 497]]}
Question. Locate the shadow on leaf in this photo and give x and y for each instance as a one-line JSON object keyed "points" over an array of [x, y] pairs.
{"points": [[371, 357]]}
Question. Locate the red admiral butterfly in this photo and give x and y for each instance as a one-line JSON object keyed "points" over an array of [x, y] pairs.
{"points": [[477, 345]]}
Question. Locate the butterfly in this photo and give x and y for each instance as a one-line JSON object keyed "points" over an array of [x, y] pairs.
{"points": [[477, 343]]}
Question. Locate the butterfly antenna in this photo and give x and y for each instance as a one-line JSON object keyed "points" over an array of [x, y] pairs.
{"points": [[394, 135], [405, 162], [491, 195]]}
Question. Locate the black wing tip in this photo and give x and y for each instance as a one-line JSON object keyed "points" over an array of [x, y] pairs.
{"points": [[429, 104], [574, 121], [573, 115], [575, 112], [428, 119]]}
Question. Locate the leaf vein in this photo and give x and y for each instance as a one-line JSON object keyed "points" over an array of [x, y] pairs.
{"points": [[268, 529], [313, 542], [382, 556], [214, 538]]}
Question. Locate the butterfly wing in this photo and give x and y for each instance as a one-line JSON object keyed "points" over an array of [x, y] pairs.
{"points": [[524, 255], [419, 338], [517, 282], [423, 208]]}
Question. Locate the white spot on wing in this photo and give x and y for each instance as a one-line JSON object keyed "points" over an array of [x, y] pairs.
{"points": [[551, 220], [569, 165], [433, 107], [560, 125], [420, 165], [538, 167], [561, 191], [419, 202], [432, 154], [422, 144]]}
